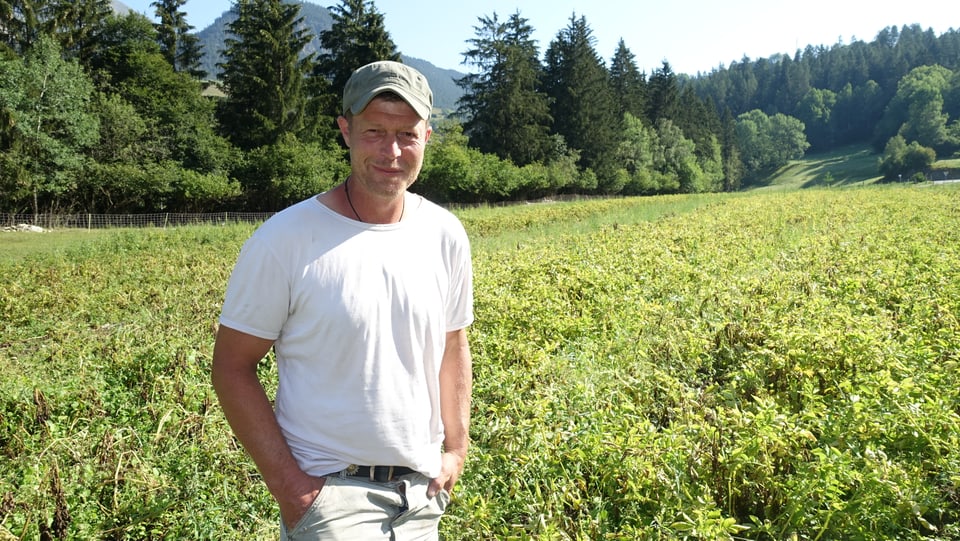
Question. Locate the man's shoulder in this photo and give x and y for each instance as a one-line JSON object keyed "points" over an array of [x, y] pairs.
{"points": [[437, 211], [293, 218]]}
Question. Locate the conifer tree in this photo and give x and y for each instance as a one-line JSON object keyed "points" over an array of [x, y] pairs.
{"points": [[583, 107], [732, 164], [628, 83], [698, 120], [357, 37], [664, 92], [77, 25], [179, 46], [506, 112], [263, 73], [18, 24]]}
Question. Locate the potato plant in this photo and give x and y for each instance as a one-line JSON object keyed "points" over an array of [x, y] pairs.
{"points": [[763, 366]]}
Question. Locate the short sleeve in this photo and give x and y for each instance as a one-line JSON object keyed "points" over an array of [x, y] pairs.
{"points": [[257, 298]]}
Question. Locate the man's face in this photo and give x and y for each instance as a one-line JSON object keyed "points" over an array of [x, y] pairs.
{"points": [[387, 141]]}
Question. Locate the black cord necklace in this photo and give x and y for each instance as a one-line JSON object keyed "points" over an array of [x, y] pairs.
{"points": [[346, 190]]}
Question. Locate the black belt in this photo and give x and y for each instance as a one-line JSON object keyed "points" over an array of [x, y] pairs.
{"points": [[378, 474]]}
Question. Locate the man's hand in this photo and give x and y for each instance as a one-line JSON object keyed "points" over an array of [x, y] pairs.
{"points": [[450, 469], [296, 501]]}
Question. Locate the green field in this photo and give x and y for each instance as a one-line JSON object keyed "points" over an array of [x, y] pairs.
{"points": [[769, 365], [849, 166]]}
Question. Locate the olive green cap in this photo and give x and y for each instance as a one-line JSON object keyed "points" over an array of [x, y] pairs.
{"points": [[376, 78]]}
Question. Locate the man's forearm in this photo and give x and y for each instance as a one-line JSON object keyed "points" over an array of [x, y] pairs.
{"points": [[247, 408], [456, 383]]}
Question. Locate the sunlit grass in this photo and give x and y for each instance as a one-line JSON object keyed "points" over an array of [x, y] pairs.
{"points": [[20, 245], [848, 166]]}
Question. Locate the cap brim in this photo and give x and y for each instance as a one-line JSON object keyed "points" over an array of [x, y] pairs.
{"points": [[422, 109]]}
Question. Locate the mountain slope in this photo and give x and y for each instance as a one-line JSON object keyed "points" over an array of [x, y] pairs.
{"points": [[120, 8]]}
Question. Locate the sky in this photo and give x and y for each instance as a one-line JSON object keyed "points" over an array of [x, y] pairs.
{"points": [[694, 36]]}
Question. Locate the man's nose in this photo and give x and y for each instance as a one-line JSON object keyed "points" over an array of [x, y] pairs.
{"points": [[391, 146]]}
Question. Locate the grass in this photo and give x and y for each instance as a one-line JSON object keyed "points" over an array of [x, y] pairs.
{"points": [[506, 226], [511, 226], [493, 227], [17, 246], [947, 164], [710, 367], [848, 166]]}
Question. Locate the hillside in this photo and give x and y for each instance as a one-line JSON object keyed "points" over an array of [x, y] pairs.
{"points": [[845, 166], [120, 7]]}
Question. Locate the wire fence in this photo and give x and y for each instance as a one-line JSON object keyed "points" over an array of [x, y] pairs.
{"points": [[101, 221], [45, 221]]}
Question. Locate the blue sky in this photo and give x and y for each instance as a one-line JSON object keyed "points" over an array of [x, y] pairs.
{"points": [[693, 35]]}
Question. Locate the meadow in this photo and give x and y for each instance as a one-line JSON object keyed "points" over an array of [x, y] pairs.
{"points": [[772, 365]]}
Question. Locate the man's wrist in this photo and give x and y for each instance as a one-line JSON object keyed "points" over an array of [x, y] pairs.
{"points": [[459, 453]]}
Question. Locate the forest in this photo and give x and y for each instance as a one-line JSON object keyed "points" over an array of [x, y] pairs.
{"points": [[101, 113]]}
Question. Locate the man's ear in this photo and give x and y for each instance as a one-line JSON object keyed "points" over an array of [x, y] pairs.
{"points": [[344, 125]]}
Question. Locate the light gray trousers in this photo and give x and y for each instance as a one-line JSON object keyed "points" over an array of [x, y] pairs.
{"points": [[354, 509]]}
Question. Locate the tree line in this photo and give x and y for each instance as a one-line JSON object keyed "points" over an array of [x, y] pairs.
{"points": [[900, 93], [108, 113]]}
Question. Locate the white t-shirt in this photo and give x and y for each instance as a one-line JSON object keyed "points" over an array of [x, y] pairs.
{"points": [[359, 314]]}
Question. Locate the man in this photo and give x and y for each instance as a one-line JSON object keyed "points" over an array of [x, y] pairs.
{"points": [[365, 293]]}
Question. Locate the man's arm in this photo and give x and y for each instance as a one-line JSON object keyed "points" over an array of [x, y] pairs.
{"points": [[251, 416], [456, 383]]}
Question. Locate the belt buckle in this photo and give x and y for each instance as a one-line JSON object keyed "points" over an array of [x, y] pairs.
{"points": [[375, 474]]}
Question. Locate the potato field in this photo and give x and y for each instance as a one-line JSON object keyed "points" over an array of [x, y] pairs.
{"points": [[761, 366]]}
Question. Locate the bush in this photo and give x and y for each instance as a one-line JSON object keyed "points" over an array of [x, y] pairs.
{"points": [[276, 176], [203, 192], [900, 159]]}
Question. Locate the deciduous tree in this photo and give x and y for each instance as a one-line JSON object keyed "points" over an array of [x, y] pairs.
{"points": [[901, 160], [767, 142], [47, 99]]}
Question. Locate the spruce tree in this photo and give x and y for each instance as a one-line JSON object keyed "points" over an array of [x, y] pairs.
{"points": [[179, 46], [76, 25], [664, 92], [506, 112], [628, 83], [19, 26], [698, 120], [263, 73], [357, 37], [583, 107]]}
